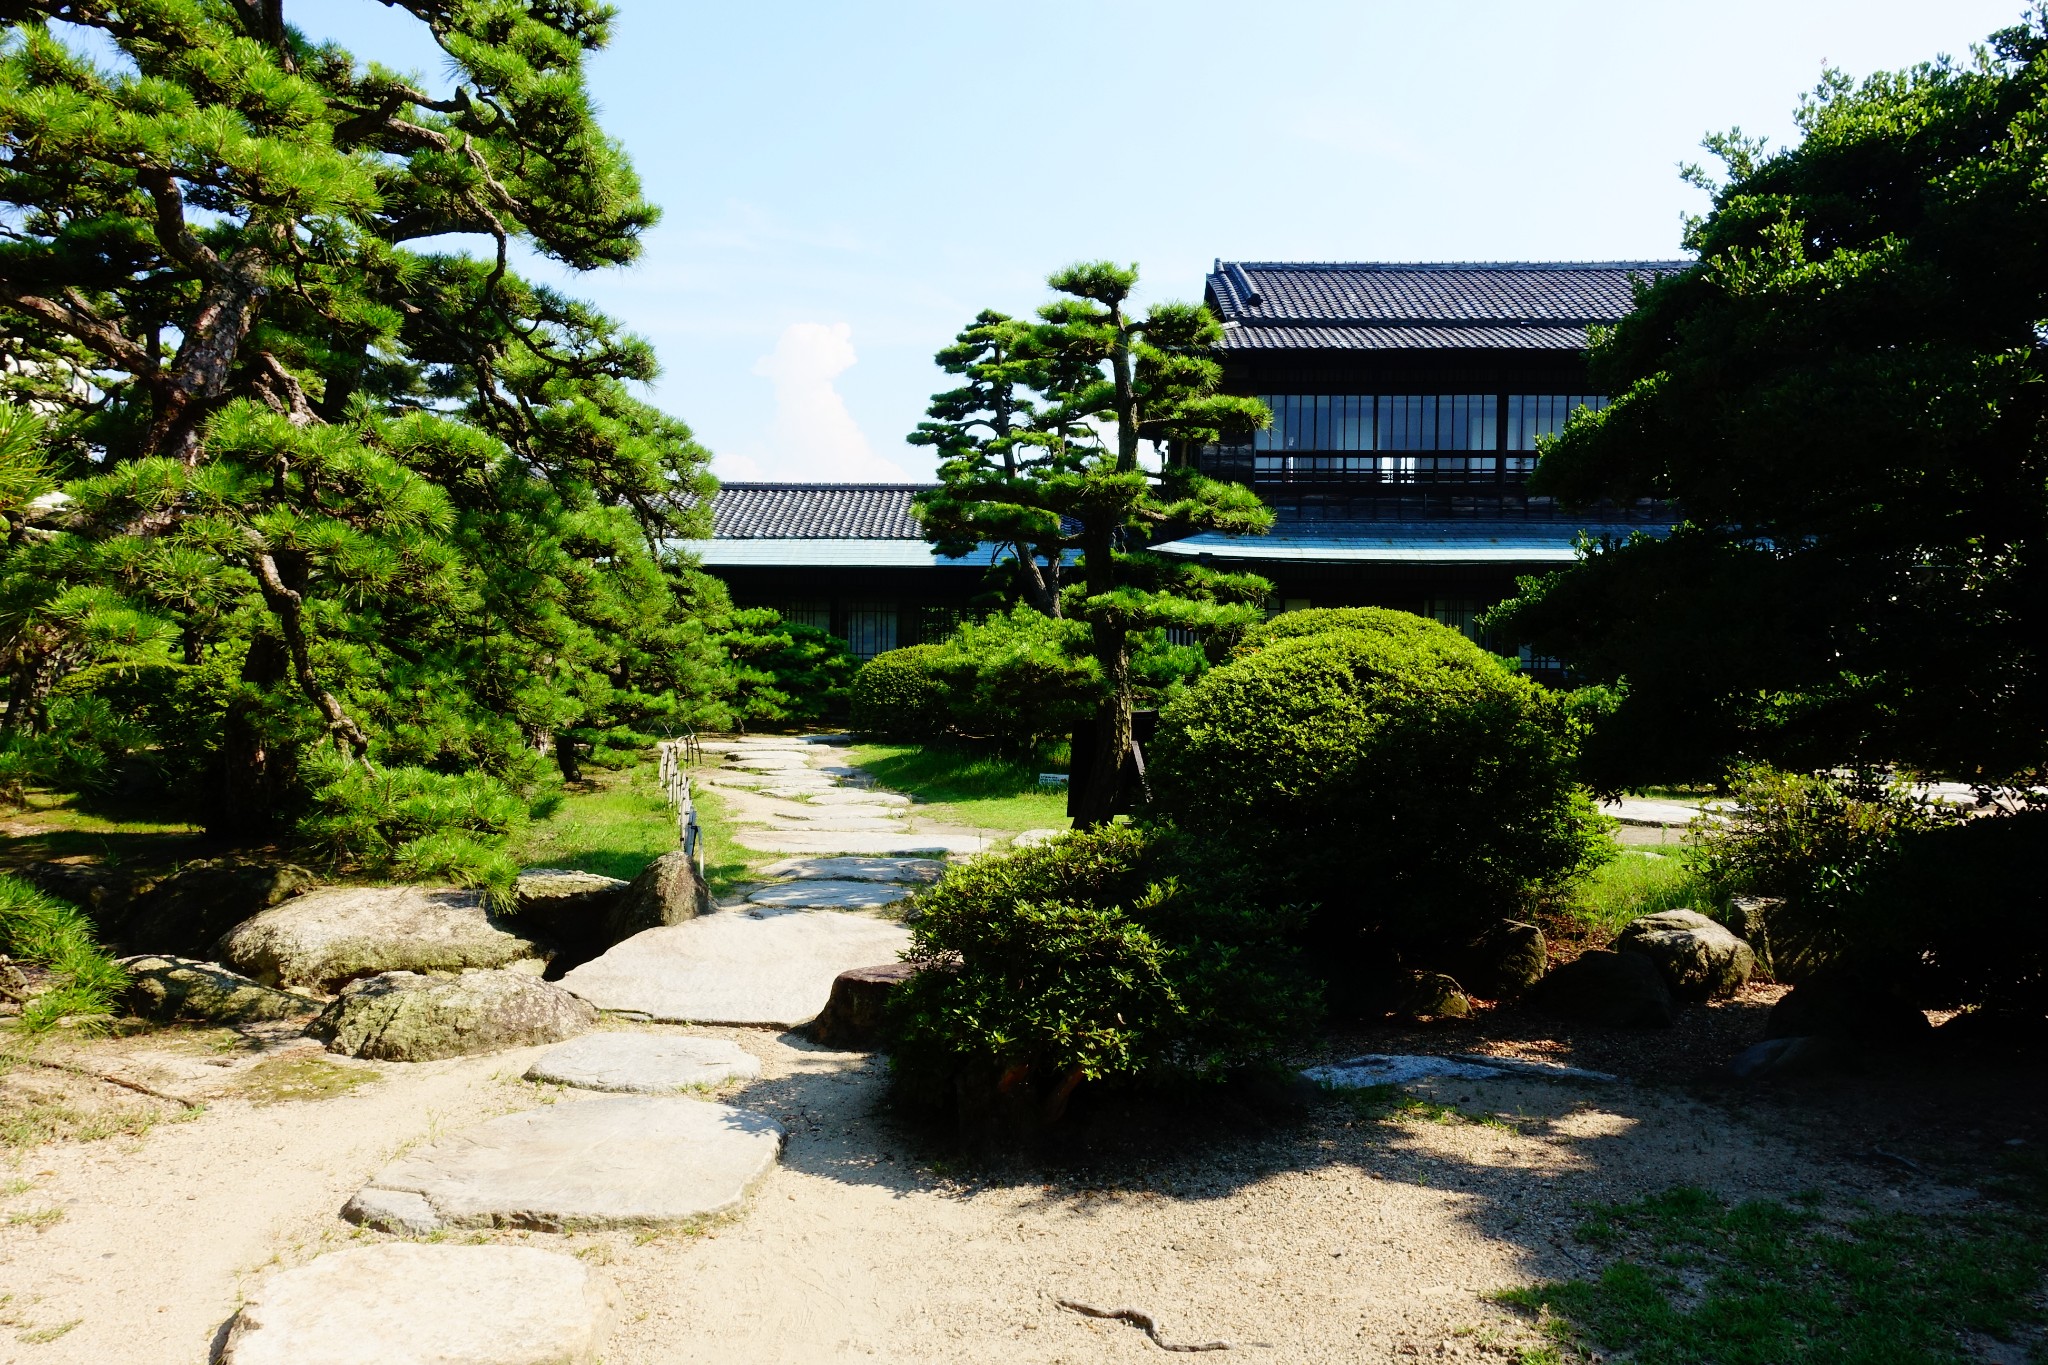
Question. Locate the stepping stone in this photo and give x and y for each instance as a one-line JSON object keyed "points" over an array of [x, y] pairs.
{"points": [[846, 796], [626, 1161], [1032, 838], [757, 966], [401, 1303], [864, 823], [826, 814], [904, 845], [825, 895], [328, 937], [908, 870], [644, 1063]]}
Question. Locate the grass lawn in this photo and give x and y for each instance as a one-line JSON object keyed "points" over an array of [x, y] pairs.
{"points": [[1638, 881], [1698, 1281], [614, 824], [617, 823], [965, 786], [60, 825]]}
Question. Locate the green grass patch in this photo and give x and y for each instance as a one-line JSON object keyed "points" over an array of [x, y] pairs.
{"points": [[1699, 1281], [615, 825], [1637, 882], [54, 825], [966, 786], [287, 1080]]}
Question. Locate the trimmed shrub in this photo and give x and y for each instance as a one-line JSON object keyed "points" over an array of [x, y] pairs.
{"points": [[1083, 963], [903, 694], [45, 932], [1383, 622], [1391, 772], [1020, 679]]}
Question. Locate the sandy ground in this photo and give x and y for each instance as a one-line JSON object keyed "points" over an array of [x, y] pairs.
{"points": [[1306, 1235]]}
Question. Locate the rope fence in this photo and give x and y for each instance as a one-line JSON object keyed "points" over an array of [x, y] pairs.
{"points": [[678, 756]]}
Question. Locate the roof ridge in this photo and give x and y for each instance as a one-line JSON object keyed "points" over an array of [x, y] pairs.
{"points": [[1455, 265], [809, 486]]}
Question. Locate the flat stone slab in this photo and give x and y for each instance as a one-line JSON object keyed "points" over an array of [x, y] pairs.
{"points": [[851, 823], [826, 815], [623, 1161], [1657, 814], [857, 841], [911, 871], [755, 966], [1375, 1068], [330, 936], [644, 1063], [1032, 838], [847, 796], [401, 1303], [817, 894]]}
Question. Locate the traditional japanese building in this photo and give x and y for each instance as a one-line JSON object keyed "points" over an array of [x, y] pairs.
{"points": [[1407, 404]]}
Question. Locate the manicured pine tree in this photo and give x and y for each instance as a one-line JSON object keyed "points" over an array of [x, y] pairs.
{"points": [[1060, 469], [390, 496]]}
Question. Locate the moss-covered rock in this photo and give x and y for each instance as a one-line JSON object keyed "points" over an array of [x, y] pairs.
{"points": [[332, 936], [169, 989], [409, 1017]]}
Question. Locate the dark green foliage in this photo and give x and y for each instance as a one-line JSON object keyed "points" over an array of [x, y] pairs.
{"points": [[1087, 961], [1903, 894], [1845, 399], [43, 931], [782, 673], [904, 694], [1765, 1283], [413, 823], [343, 487], [1399, 777], [1039, 451], [1404, 626]]}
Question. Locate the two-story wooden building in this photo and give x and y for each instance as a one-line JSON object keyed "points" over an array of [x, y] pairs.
{"points": [[1407, 402]]}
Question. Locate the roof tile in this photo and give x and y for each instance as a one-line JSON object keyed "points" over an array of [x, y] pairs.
{"points": [[815, 511]]}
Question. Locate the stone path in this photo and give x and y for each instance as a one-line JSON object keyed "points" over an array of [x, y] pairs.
{"points": [[450, 1305], [641, 1156], [629, 1161], [644, 1063], [799, 796]]}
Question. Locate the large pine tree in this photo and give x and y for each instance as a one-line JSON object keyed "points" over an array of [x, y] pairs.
{"points": [[350, 486], [1041, 452]]}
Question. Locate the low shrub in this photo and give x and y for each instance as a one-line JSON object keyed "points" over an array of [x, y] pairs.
{"points": [[412, 822], [46, 932], [903, 695], [1020, 679], [1860, 875], [1382, 622], [1390, 772], [1084, 963], [780, 672]]}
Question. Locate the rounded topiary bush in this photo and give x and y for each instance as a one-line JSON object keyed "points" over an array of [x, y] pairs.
{"points": [[1093, 960], [1390, 772], [1381, 621], [903, 694]]}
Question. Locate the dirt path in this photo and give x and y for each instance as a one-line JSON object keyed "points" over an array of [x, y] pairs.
{"points": [[1329, 1236]]}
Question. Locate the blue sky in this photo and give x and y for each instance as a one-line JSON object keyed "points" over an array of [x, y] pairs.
{"points": [[845, 185]]}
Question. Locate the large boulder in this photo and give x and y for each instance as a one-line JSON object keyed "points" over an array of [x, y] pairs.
{"points": [[106, 894], [186, 913], [1841, 1006], [856, 1015], [1700, 959], [574, 910], [327, 938], [453, 1305], [1784, 1058], [1621, 990], [667, 891], [1505, 961], [407, 1017], [168, 989], [1431, 995]]}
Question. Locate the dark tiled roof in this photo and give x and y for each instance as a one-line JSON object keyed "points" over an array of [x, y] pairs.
{"points": [[814, 511], [1386, 306]]}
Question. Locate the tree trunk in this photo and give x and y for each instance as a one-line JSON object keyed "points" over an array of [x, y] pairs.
{"points": [[1105, 767], [253, 776], [566, 760]]}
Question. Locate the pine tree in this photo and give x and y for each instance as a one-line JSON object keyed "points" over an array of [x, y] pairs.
{"points": [[354, 490], [1059, 469]]}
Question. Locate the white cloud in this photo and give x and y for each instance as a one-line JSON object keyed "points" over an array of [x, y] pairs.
{"points": [[813, 436]]}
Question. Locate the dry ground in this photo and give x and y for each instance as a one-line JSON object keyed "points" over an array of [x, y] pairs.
{"points": [[1311, 1234]]}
